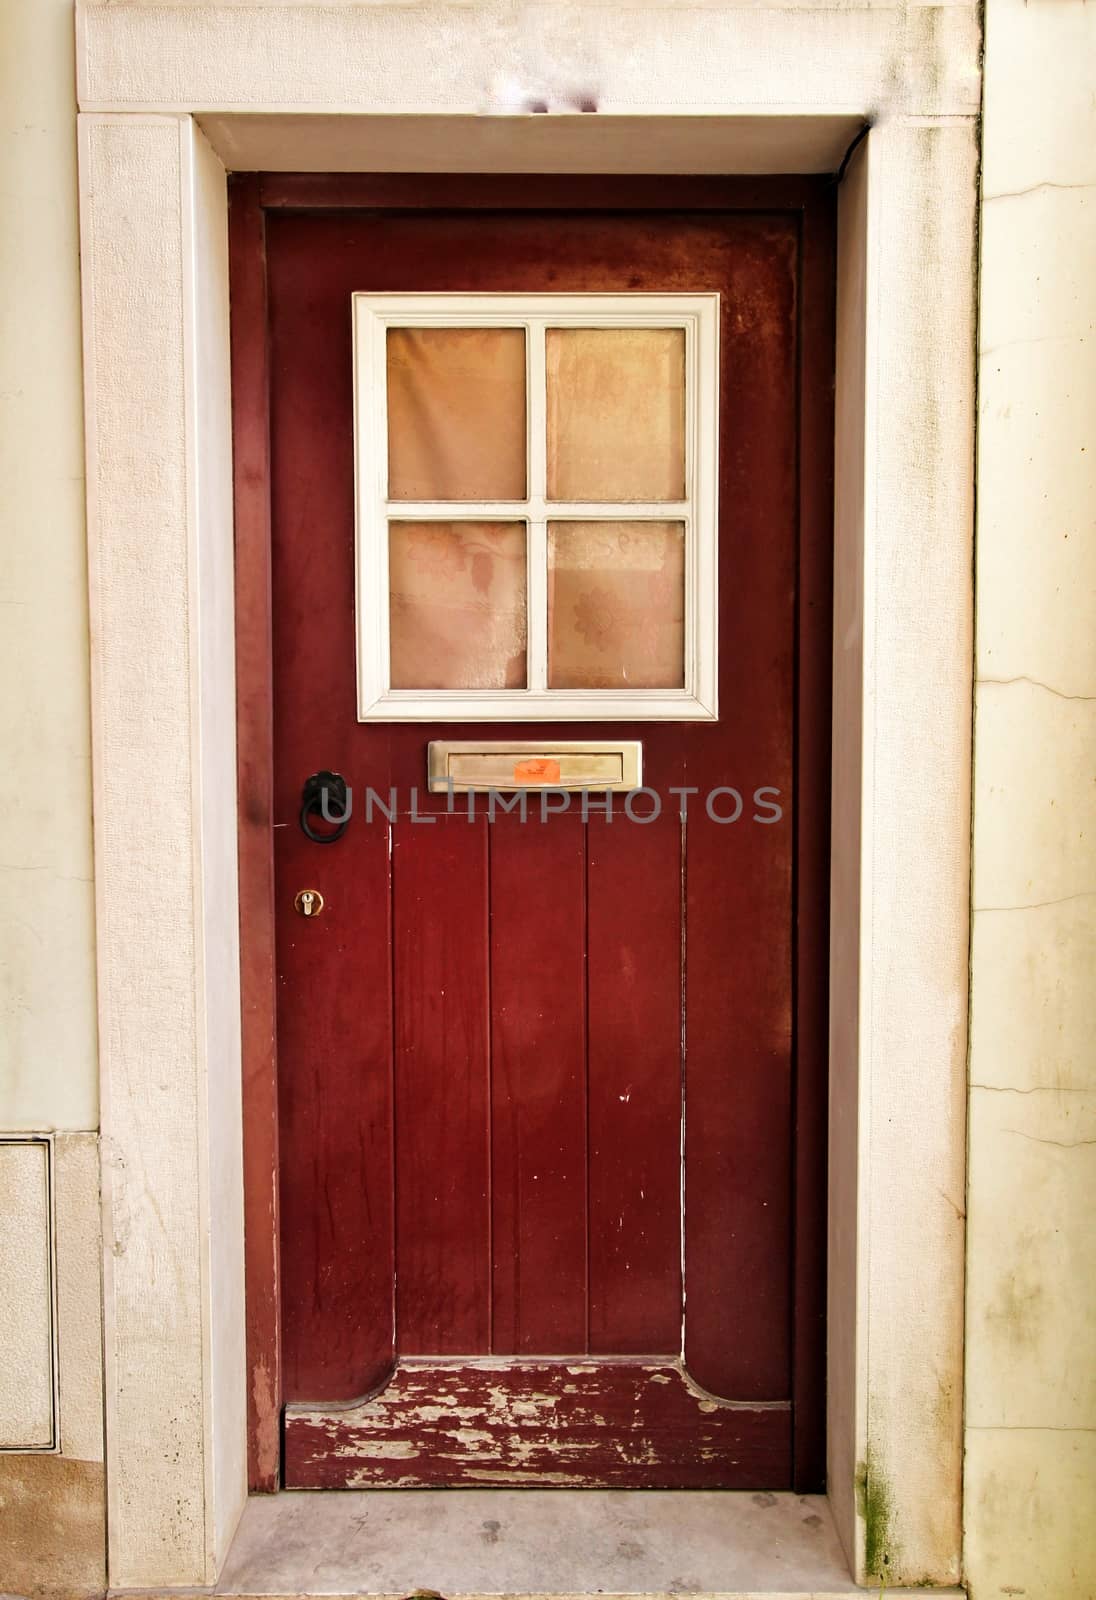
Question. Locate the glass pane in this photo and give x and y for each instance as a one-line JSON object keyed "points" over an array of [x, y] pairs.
{"points": [[456, 414], [616, 605], [616, 413], [457, 605]]}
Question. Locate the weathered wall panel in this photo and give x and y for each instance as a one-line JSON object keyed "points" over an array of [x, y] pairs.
{"points": [[702, 56], [1031, 1310], [161, 559], [52, 1536], [915, 823], [27, 1410], [79, 1268], [53, 1502]]}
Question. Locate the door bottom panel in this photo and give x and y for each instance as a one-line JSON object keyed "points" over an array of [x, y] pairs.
{"points": [[573, 1422]]}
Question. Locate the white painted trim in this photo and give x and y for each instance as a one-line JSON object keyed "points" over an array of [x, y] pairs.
{"points": [[536, 508], [536, 408], [528, 705], [697, 315]]}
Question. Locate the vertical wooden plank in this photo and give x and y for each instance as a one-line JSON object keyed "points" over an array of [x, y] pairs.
{"points": [[812, 839], [335, 1052], [255, 739], [738, 1058], [538, 917], [442, 1065], [635, 1095], [738, 1106], [335, 970]]}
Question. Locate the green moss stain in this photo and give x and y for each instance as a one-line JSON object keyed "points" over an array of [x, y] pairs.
{"points": [[874, 1503]]}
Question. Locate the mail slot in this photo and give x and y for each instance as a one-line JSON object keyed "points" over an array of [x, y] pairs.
{"points": [[461, 766]]}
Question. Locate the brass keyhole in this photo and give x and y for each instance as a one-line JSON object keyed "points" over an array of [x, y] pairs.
{"points": [[309, 902]]}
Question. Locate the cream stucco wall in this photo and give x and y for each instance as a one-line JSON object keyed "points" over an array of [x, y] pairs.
{"points": [[48, 1073], [52, 1501], [1031, 1316]]}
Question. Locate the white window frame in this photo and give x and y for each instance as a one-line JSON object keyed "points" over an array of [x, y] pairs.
{"points": [[698, 316]]}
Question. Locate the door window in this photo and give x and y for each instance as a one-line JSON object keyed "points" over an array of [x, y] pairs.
{"points": [[536, 506]]}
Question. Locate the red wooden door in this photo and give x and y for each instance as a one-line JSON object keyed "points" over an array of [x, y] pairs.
{"points": [[550, 1149]]}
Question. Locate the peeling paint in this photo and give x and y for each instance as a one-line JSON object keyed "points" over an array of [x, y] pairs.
{"points": [[267, 1421], [621, 1422]]}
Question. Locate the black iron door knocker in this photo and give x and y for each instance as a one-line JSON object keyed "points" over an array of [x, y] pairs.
{"points": [[325, 796]]}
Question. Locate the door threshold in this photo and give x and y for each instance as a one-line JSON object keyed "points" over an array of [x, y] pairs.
{"points": [[538, 1544]]}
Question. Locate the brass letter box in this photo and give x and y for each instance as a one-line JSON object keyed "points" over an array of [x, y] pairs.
{"points": [[458, 766]]}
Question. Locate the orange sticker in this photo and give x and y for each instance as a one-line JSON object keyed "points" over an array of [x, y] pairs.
{"points": [[536, 769]]}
